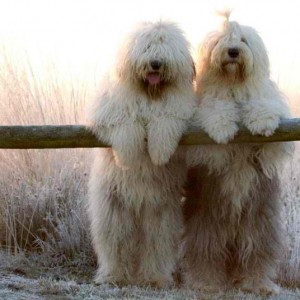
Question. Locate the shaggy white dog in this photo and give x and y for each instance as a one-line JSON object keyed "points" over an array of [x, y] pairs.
{"points": [[134, 189], [233, 232]]}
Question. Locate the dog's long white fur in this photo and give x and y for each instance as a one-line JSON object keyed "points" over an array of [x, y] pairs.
{"points": [[134, 188], [233, 237]]}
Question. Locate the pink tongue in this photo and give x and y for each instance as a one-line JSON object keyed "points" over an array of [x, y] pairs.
{"points": [[153, 78]]}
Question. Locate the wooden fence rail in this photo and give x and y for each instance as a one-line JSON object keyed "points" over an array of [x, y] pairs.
{"points": [[78, 136]]}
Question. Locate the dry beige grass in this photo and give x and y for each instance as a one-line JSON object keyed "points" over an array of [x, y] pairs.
{"points": [[289, 273], [43, 226], [42, 192]]}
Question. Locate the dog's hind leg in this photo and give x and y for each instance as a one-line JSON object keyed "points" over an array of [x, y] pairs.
{"points": [[259, 241], [162, 227], [114, 239], [208, 231], [204, 255]]}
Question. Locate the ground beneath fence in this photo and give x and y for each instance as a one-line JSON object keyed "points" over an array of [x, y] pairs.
{"points": [[16, 283], [26, 277]]}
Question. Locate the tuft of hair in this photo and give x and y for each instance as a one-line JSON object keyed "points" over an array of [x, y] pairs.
{"points": [[224, 13]]}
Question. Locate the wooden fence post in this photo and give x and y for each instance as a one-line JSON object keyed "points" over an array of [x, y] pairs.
{"points": [[79, 136]]}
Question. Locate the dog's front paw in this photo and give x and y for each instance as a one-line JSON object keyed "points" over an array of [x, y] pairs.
{"points": [[263, 126], [163, 139], [160, 155], [123, 160], [128, 144], [222, 133], [218, 118]]}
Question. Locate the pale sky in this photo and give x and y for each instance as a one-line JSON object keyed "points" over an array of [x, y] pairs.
{"points": [[84, 33]]}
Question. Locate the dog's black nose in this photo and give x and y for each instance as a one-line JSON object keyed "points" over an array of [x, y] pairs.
{"points": [[155, 64], [233, 52]]}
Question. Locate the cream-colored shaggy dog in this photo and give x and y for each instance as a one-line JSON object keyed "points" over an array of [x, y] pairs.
{"points": [[233, 232], [134, 188]]}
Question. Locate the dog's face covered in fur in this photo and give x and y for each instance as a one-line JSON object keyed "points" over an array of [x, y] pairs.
{"points": [[234, 54], [154, 57]]}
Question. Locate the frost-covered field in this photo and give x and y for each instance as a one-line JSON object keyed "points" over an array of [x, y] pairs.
{"points": [[45, 245], [21, 279]]}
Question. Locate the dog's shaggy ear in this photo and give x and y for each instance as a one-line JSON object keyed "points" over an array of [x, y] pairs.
{"points": [[123, 55], [194, 70], [204, 52], [122, 62]]}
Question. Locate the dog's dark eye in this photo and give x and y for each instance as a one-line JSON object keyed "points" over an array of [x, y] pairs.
{"points": [[146, 48], [243, 40]]}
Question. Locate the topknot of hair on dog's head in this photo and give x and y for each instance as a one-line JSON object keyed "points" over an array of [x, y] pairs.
{"points": [[225, 14]]}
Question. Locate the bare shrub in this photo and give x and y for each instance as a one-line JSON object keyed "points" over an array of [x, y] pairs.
{"points": [[290, 267], [42, 192]]}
